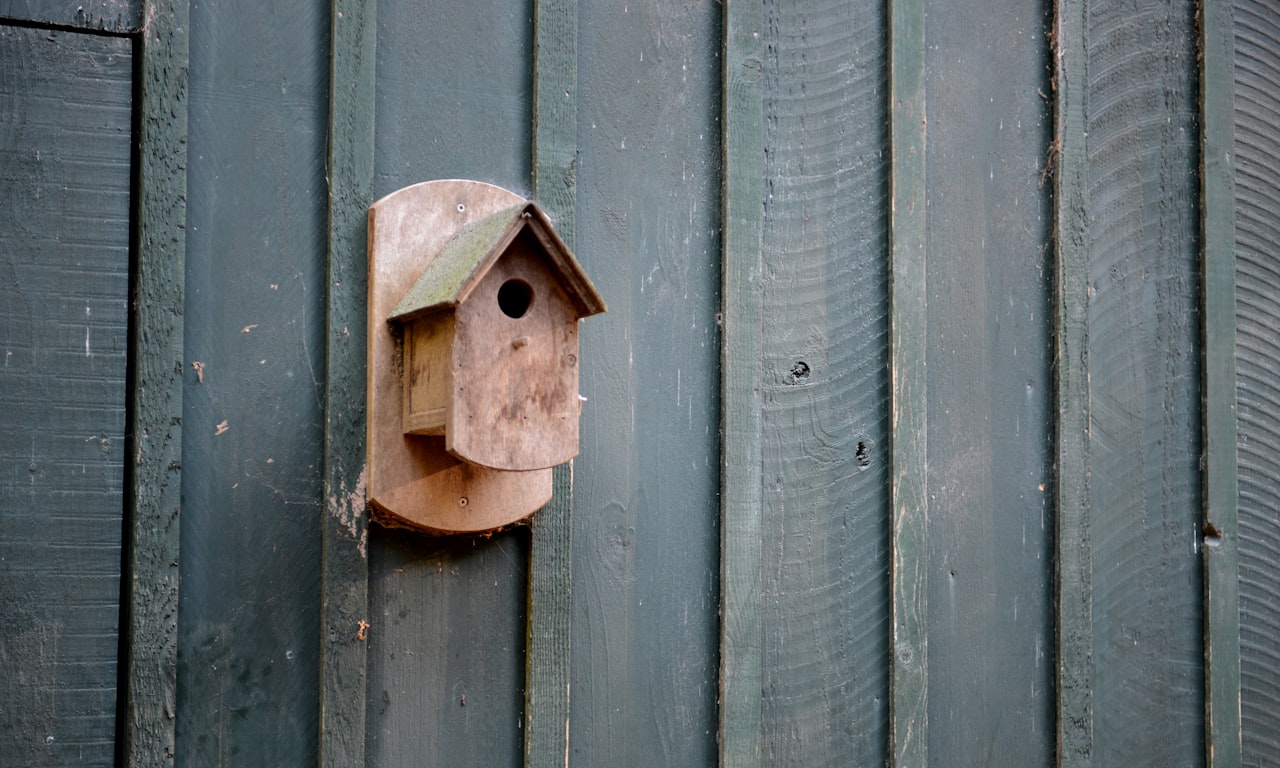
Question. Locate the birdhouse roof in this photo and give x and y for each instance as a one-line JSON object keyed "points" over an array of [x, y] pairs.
{"points": [[455, 271]]}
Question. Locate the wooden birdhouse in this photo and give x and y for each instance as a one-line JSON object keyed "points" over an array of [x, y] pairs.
{"points": [[474, 303], [490, 343]]}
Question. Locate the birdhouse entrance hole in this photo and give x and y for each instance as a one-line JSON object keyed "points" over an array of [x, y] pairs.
{"points": [[515, 297]]}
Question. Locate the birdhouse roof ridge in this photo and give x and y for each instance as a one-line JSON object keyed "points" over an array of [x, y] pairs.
{"points": [[449, 278]]}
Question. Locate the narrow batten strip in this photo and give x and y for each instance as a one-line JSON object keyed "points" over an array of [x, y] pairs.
{"points": [[909, 677]]}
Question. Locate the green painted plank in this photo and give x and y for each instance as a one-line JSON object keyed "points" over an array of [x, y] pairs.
{"points": [[64, 339], [253, 414], [646, 529], [157, 370], [555, 150], [823, 556], [110, 16], [1145, 385], [1256, 169], [990, 383], [1069, 168], [345, 608], [908, 441], [741, 488], [448, 613], [1218, 307]]}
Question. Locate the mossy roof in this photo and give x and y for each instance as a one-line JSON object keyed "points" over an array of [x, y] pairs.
{"points": [[465, 259]]}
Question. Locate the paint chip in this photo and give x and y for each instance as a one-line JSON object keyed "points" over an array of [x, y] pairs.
{"points": [[222, 427], [198, 367], [248, 328]]}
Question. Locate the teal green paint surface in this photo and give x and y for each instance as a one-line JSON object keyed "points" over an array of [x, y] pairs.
{"points": [[1218, 344], [741, 483], [343, 638], [448, 613], [116, 16], [908, 397], [156, 361], [824, 379], [1074, 544], [548, 653], [989, 356], [646, 511], [1256, 154], [64, 282], [1145, 385], [249, 618]]}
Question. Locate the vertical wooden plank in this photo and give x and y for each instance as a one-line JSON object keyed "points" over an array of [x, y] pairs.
{"points": [[1068, 163], [253, 409], [1256, 169], [646, 533], [1218, 307], [157, 370], [345, 609], [741, 479], [909, 692], [65, 117], [824, 556], [555, 151], [990, 400], [1145, 374], [446, 647]]}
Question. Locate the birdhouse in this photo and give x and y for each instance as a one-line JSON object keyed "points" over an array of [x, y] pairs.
{"points": [[490, 343], [474, 305]]}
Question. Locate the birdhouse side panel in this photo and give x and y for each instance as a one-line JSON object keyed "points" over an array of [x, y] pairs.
{"points": [[428, 352], [515, 377]]}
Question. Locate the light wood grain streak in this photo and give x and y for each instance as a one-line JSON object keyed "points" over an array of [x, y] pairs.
{"points": [[554, 163], [160, 251], [909, 692], [741, 633], [345, 610], [1257, 235]]}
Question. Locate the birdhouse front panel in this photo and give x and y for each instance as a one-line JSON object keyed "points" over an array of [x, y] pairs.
{"points": [[515, 366], [428, 379]]}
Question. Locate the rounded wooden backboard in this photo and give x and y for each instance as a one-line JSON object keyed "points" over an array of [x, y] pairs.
{"points": [[413, 481]]}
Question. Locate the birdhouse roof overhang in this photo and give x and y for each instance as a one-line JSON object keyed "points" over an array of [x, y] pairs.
{"points": [[451, 276]]}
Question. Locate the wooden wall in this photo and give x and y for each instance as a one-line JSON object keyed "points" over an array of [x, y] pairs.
{"points": [[910, 437]]}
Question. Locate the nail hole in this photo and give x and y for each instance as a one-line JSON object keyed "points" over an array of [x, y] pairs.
{"points": [[462, 208], [799, 373], [863, 455], [515, 297]]}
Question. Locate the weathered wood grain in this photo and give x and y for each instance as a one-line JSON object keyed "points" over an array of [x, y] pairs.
{"points": [[344, 543], [1144, 369], [253, 416], [156, 349], [439, 636], [550, 590], [65, 103], [990, 387], [908, 398], [1220, 543], [741, 460], [446, 649], [1067, 164], [1257, 232], [645, 484], [824, 440], [111, 16]]}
